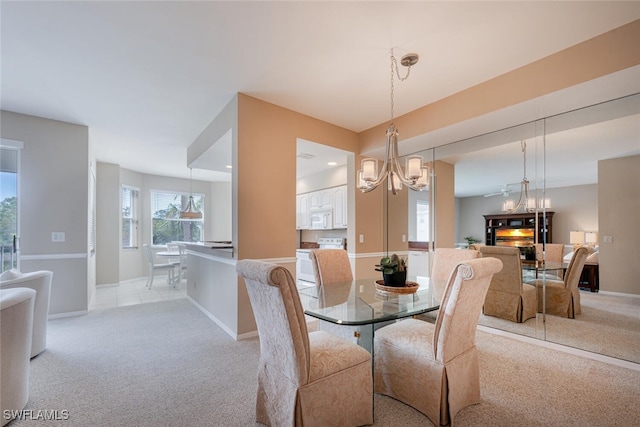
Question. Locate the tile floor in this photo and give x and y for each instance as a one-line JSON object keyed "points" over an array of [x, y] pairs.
{"points": [[135, 291]]}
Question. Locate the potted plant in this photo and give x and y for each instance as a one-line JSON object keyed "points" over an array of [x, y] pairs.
{"points": [[394, 270], [471, 240]]}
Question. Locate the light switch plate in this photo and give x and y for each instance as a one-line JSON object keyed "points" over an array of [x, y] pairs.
{"points": [[58, 236], [607, 239]]}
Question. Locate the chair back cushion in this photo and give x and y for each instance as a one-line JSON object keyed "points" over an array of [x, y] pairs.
{"points": [[509, 279], [284, 340], [455, 328], [330, 266], [574, 270], [444, 262]]}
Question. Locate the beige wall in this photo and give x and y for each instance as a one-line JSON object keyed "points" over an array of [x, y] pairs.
{"points": [[610, 52], [618, 207], [444, 215], [54, 181], [265, 176]]}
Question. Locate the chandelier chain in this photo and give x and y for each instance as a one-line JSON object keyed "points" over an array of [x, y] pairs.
{"points": [[396, 70], [523, 144]]}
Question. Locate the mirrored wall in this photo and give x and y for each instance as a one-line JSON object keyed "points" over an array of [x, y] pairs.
{"points": [[571, 164]]}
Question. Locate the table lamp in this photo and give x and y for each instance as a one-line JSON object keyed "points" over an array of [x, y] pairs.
{"points": [[591, 238], [576, 238]]}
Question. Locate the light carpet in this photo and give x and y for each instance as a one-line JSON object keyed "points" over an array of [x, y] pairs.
{"points": [[167, 364], [608, 325]]}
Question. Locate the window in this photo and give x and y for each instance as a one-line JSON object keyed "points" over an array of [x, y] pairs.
{"points": [[167, 226], [422, 221], [130, 197]]}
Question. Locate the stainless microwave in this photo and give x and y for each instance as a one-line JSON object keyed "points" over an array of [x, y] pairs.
{"points": [[321, 219]]}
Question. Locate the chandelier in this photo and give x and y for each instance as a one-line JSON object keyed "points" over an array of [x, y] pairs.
{"points": [[415, 174], [527, 203], [191, 210]]}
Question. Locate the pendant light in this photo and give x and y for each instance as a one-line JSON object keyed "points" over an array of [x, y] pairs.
{"points": [[190, 211], [415, 174]]}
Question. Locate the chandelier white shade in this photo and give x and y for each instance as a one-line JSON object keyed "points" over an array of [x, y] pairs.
{"points": [[415, 174], [525, 201]]}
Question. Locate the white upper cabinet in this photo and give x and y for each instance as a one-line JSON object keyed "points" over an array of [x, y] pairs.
{"points": [[321, 199], [340, 207], [302, 211]]}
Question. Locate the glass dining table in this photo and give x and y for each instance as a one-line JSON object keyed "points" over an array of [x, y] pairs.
{"points": [[536, 267], [361, 303]]}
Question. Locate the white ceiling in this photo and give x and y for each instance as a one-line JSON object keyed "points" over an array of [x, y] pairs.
{"points": [[147, 77]]}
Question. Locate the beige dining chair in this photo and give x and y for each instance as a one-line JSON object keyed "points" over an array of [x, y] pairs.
{"points": [[310, 379], [551, 252], [332, 269], [508, 297], [434, 367], [562, 297], [444, 261]]}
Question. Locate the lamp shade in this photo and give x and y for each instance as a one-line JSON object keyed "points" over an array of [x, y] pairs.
{"points": [[576, 237], [591, 237]]}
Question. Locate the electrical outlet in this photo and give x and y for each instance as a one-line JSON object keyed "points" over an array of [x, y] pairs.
{"points": [[58, 236], [404, 238], [362, 238]]}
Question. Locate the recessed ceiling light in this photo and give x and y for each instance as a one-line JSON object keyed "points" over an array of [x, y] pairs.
{"points": [[332, 163]]}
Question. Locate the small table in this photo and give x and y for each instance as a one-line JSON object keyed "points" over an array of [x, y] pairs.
{"points": [[359, 302]]}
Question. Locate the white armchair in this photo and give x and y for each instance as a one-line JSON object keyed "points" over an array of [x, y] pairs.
{"points": [[39, 281], [16, 327]]}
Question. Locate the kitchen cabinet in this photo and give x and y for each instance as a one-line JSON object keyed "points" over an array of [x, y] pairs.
{"points": [[340, 207], [322, 199], [302, 212]]}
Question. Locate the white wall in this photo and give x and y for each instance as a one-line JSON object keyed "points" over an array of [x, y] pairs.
{"points": [[330, 178], [108, 219], [219, 212], [130, 263], [54, 196]]}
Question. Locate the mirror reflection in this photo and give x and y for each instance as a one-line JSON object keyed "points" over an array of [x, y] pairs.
{"points": [[582, 172]]}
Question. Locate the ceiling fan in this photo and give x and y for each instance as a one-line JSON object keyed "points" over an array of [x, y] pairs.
{"points": [[504, 191]]}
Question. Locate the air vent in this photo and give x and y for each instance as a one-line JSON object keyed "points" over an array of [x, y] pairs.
{"points": [[305, 156]]}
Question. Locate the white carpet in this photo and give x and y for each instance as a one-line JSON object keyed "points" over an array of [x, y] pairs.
{"points": [[166, 364]]}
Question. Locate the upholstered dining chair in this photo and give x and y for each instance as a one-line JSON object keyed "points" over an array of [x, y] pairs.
{"points": [[508, 297], [563, 296], [310, 379], [551, 252], [331, 268], [434, 367], [444, 261], [169, 267], [39, 281]]}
